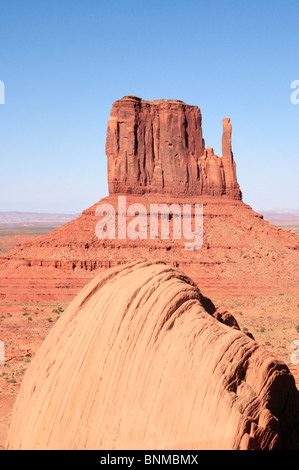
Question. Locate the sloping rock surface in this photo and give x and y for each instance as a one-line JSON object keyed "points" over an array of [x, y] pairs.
{"points": [[139, 360]]}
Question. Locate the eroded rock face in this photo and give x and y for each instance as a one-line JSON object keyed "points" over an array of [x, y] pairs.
{"points": [[138, 361], [240, 251], [158, 147]]}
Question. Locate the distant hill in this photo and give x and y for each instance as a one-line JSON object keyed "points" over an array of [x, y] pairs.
{"points": [[282, 217], [34, 218], [276, 217]]}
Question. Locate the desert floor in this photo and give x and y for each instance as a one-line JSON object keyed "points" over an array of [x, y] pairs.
{"points": [[273, 320]]}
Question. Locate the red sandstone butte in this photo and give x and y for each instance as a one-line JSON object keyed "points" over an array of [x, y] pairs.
{"points": [[156, 155], [158, 147]]}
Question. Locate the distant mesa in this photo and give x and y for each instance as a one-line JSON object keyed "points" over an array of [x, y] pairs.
{"points": [[158, 147], [139, 360], [283, 217], [34, 218]]}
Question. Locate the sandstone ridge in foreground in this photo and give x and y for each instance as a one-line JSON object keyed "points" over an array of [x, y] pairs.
{"points": [[139, 360]]}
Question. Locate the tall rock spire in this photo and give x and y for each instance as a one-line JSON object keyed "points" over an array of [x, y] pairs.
{"points": [[229, 165]]}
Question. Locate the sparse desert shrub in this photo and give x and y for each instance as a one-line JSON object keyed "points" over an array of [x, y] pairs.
{"points": [[58, 310], [297, 328]]}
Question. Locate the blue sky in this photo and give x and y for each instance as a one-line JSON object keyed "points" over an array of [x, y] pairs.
{"points": [[65, 62]]}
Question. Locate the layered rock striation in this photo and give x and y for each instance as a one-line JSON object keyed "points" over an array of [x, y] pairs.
{"points": [[139, 360], [158, 147]]}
